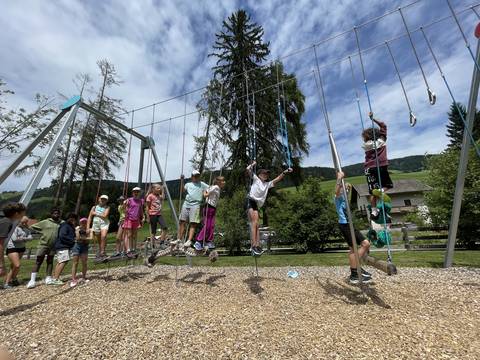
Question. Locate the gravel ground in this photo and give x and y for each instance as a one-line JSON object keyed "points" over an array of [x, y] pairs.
{"points": [[215, 313]]}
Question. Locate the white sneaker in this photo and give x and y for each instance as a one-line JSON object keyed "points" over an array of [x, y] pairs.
{"points": [[48, 280], [374, 212], [174, 242], [187, 244], [31, 284]]}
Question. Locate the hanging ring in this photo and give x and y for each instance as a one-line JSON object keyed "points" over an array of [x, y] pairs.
{"points": [[413, 119], [431, 96]]}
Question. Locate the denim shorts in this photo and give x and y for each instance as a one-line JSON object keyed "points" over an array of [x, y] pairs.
{"points": [[80, 249]]}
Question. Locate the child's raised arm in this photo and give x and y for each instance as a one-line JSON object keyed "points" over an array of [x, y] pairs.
{"points": [[338, 186], [90, 216], [281, 176], [250, 168]]}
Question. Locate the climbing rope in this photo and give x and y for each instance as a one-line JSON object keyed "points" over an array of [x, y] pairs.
{"points": [[357, 97], [472, 140], [413, 118], [127, 168], [389, 251], [283, 121], [431, 95]]}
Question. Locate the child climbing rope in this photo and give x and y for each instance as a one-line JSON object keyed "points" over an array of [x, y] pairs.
{"points": [[134, 208], [80, 250], [375, 146], [100, 224], [256, 198], [191, 208], [212, 194], [340, 205], [154, 202], [63, 245], [49, 230]]}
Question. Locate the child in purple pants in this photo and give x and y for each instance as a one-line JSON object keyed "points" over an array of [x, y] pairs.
{"points": [[212, 194]]}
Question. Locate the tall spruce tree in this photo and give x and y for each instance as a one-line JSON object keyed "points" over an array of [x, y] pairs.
{"points": [[455, 127], [243, 92]]}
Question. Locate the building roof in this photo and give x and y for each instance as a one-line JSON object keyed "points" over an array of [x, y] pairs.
{"points": [[399, 187]]}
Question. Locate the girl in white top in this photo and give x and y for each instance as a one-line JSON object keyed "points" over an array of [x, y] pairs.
{"points": [[256, 198], [212, 194]]}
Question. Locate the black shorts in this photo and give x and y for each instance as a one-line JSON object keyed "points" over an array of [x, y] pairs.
{"points": [[373, 181], [16, 250], [156, 220], [251, 204], [345, 230]]}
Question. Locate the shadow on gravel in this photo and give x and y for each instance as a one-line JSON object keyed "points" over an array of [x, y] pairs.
{"points": [[161, 277], [472, 284], [132, 276], [352, 296], [192, 278], [212, 280], [254, 284], [20, 308]]}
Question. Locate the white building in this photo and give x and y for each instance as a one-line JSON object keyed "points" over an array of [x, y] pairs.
{"points": [[407, 197]]}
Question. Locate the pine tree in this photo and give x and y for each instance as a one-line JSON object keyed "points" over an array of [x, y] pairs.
{"points": [[242, 97], [456, 126]]}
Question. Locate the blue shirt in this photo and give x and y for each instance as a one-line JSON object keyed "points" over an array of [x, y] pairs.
{"points": [[194, 194], [341, 209]]}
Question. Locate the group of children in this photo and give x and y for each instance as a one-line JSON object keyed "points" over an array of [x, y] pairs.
{"points": [[68, 241]]}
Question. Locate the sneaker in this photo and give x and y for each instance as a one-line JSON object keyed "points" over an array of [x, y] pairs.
{"points": [[7, 286], [187, 244], [115, 255], [210, 245], [355, 280], [131, 255], [15, 282], [73, 283], [175, 242], [56, 282], [257, 250], [198, 246], [366, 274], [48, 280], [31, 284]]}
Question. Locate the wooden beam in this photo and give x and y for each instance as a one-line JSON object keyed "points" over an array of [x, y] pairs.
{"points": [[386, 267]]}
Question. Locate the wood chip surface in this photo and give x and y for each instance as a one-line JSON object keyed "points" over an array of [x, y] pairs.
{"points": [[227, 313]]}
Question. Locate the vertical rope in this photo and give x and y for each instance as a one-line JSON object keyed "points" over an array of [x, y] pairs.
{"points": [[127, 169], [166, 151], [389, 252], [357, 97], [465, 125]]}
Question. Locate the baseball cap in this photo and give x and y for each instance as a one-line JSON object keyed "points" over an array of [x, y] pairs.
{"points": [[136, 188], [104, 197], [195, 173]]}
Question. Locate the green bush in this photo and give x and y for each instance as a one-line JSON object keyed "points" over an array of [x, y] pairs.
{"points": [[307, 216]]}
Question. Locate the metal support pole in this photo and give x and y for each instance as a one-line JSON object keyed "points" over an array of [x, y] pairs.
{"points": [[32, 186], [8, 171], [159, 168], [140, 167], [462, 169]]}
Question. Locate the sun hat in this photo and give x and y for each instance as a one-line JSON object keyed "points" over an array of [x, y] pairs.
{"points": [[104, 197]]}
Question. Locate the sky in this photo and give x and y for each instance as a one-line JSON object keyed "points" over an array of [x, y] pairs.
{"points": [[160, 49]]}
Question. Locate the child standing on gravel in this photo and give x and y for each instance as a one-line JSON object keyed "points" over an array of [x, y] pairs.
{"points": [[63, 245], [256, 198], [49, 230], [341, 207], [206, 235], [80, 250], [134, 208], [16, 246], [12, 213], [375, 146]]}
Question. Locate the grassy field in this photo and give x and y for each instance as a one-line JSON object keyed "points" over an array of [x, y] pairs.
{"points": [[432, 259]]}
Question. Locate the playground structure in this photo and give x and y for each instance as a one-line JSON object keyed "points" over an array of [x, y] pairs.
{"points": [[74, 104]]}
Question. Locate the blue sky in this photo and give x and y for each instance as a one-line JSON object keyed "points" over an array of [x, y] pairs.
{"points": [[160, 49]]}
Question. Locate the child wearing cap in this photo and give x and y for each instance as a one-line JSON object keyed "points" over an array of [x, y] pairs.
{"points": [[256, 198], [134, 209], [80, 250], [100, 224], [191, 207]]}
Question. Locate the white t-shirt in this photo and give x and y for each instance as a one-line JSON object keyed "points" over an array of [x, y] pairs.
{"points": [[213, 195], [259, 190]]}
